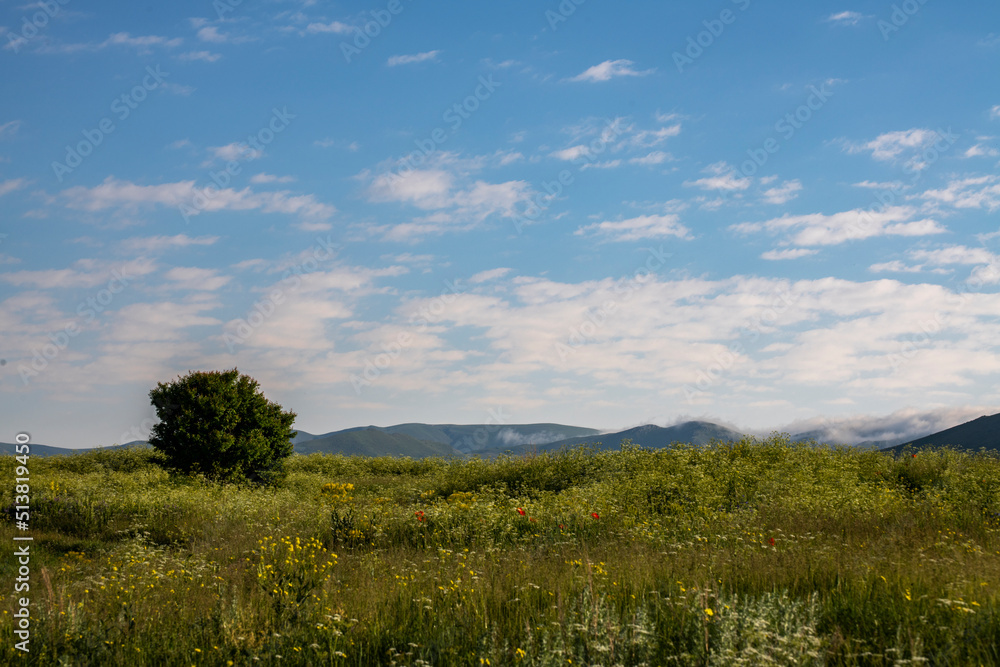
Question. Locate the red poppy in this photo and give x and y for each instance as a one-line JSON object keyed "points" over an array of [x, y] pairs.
{"points": [[913, 455], [595, 515], [772, 541], [531, 519], [419, 514], [520, 511], [560, 525]]}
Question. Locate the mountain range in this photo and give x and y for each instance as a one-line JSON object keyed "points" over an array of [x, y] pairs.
{"points": [[490, 440]]}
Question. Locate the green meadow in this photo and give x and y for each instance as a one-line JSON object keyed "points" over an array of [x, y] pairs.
{"points": [[759, 552]]}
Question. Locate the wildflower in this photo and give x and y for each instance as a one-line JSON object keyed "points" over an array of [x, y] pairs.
{"points": [[772, 541], [520, 511], [595, 515], [419, 514], [709, 612]]}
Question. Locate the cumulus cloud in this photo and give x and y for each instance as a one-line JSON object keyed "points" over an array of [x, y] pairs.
{"points": [[9, 129], [789, 253], [451, 198], [335, 27], [784, 193], [641, 227], [723, 177], [967, 193], [610, 69], [156, 244], [206, 56], [845, 18], [818, 229], [412, 59], [8, 186], [125, 195]]}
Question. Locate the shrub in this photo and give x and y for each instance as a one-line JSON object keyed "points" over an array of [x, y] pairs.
{"points": [[219, 424]]}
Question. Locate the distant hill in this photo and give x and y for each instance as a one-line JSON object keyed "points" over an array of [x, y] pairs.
{"points": [[649, 435], [471, 438], [48, 450], [979, 433], [373, 441]]}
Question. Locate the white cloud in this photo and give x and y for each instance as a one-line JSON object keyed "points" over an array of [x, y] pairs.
{"points": [[818, 229], [653, 158], [84, 273], [895, 266], [9, 129], [610, 69], [157, 244], [973, 192], [958, 254], [411, 59], [11, 185], [783, 194], [113, 193], [206, 56], [571, 153], [724, 177], [211, 34], [641, 227], [876, 185], [235, 151], [995, 112], [979, 150], [790, 253], [491, 274], [191, 278], [271, 178], [141, 43], [894, 146], [145, 323], [335, 27], [845, 18], [453, 200]]}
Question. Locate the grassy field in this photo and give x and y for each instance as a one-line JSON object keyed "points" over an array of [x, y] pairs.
{"points": [[762, 552]]}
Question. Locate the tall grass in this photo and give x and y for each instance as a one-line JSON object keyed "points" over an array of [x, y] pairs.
{"points": [[758, 552]]}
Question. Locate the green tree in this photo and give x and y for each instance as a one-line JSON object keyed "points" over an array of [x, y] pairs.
{"points": [[219, 424]]}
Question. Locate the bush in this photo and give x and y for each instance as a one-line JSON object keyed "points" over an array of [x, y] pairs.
{"points": [[219, 424]]}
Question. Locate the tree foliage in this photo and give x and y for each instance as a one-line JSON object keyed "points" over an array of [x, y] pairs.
{"points": [[219, 424]]}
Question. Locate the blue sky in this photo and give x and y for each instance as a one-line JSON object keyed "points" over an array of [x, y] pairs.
{"points": [[579, 212]]}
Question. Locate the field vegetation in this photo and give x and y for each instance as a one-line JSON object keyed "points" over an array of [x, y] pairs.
{"points": [[757, 552]]}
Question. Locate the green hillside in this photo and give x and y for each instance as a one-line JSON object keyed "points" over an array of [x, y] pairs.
{"points": [[648, 435], [373, 441], [971, 436]]}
